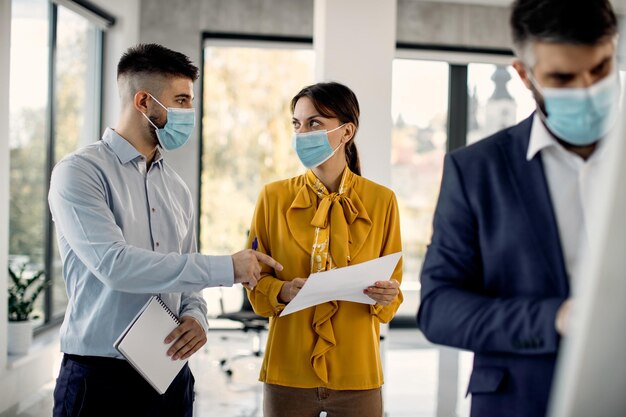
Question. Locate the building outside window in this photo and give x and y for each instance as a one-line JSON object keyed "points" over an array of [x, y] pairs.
{"points": [[497, 99]]}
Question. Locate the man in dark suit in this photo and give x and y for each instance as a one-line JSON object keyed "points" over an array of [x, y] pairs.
{"points": [[510, 223]]}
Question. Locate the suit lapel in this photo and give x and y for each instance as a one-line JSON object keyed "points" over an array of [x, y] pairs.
{"points": [[530, 183]]}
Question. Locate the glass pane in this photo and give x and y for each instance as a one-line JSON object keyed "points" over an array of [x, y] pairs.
{"points": [[76, 102], [27, 133], [246, 138], [419, 109], [497, 99]]}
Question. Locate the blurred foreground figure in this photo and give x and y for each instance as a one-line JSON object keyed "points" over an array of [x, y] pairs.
{"points": [[510, 225]]}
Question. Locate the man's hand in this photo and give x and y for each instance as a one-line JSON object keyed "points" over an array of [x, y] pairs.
{"points": [[383, 292], [247, 268], [290, 289], [563, 317], [189, 336]]}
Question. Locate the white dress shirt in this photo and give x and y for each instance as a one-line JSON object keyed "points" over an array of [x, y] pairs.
{"points": [[570, 181]]}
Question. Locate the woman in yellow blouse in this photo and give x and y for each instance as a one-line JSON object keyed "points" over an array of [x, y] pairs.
{"points": [[326, 357]]}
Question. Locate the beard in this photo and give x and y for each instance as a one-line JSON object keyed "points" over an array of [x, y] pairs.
{"points": [[152, 130], [540, 103]]}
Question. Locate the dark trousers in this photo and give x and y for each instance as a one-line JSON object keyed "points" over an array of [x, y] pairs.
{"points": [[92, 386]]}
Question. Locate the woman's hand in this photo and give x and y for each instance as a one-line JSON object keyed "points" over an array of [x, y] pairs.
{"points": [[383, 292], [290, 289]]}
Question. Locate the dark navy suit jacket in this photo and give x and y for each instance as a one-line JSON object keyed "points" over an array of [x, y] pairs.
{"points": [[494, 276]]}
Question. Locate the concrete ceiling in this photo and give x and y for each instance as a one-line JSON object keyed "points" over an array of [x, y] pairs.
{"points": [[501, 3], [620, 5]]}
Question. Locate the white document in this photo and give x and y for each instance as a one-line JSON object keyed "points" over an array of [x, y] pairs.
{"points": [[345, 284]]}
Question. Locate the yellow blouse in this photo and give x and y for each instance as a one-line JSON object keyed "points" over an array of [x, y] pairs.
{"points": [[340, 351]]}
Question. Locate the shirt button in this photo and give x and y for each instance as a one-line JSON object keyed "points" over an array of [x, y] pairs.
{"points": [[157, 244], [153, 210]]}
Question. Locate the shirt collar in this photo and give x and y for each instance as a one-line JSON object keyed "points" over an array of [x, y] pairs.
{"points": [[540, 138], [123, 149]]}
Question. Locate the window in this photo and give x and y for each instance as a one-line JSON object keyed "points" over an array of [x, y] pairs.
{"points": [[246, 134], [431, 99], [27, 135], [497, 99], [54, 108], [419, 143], [77, 105], [423, 87]]}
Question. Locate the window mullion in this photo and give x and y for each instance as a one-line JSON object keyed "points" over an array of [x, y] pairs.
{"points": [[458, 104], [50, 159]]}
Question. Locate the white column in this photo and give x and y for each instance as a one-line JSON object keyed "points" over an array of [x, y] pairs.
{"points": [[5, 47], [354, 43]]}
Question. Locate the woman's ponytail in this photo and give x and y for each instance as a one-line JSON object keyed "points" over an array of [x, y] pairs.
{"points": [[352, 157]]}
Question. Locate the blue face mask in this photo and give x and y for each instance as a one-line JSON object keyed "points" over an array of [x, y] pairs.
{"points": [[313, 148], [582, 116], [177, 129]]}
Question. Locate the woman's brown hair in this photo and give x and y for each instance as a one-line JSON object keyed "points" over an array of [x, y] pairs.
{"points": [[335, 100]]}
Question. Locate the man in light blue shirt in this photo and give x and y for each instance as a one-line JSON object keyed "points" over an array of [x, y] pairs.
{"points": [[126, 230]]}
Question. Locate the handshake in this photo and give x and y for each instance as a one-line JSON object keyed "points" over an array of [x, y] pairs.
{"points": [[247, 268]]}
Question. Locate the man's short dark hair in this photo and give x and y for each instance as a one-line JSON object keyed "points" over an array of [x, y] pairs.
{"points": [[581, 22], [154, 59]]}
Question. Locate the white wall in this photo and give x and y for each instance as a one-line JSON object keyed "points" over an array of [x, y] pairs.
{"points": [[349, 52]]}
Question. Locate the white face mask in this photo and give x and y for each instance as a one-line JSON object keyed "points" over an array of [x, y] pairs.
{"points": [[581, 116], [313, 148], [177, 129]]}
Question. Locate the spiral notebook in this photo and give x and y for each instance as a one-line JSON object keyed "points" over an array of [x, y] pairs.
{"points": [[141, 343]]}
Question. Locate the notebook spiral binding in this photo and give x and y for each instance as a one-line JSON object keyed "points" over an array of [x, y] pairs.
{"points": [[166, 308]]}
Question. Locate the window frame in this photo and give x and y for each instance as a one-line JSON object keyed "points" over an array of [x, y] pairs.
{"points": [[88, 11], [458, 59], [233, 39]]}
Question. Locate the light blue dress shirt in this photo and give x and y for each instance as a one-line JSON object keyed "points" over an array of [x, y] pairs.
{"points": [[125, 231]]}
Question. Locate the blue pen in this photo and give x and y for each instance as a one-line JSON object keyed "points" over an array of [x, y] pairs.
{"points": [[255, 243]]}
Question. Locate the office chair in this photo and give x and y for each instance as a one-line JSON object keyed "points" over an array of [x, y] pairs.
{"points": [[252, 323]]}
